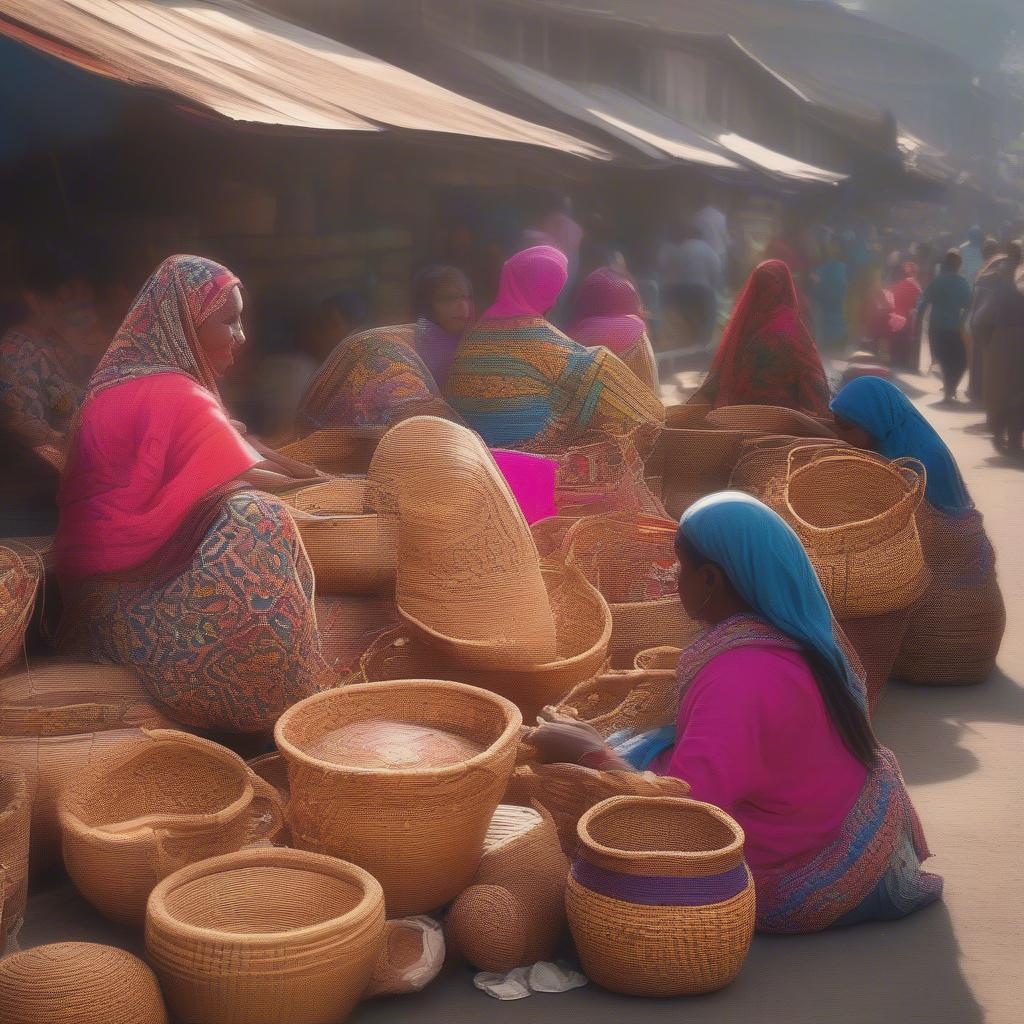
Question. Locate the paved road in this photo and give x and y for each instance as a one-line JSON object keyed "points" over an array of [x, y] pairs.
{"points": [[956, 963]]}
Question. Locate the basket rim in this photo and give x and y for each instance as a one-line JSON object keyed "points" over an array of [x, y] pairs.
{"points": [[683, 856], [157, 914], [514, 722]]}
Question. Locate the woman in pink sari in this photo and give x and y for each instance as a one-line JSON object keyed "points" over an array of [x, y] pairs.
{"points": [[171, 557], [609, 315]]}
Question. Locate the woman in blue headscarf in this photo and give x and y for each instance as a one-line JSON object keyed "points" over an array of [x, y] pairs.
{"points": [[771, 727], [871, 413]]}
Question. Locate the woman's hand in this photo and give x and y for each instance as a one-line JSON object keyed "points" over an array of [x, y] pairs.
{"points": [[561, 739]]}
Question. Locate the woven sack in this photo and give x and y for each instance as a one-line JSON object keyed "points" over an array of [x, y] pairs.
{"points": [[877, 641], [78, 983], [631, 560], [469, 578], [348, 624], [583, 628], [21, 570], [568, 791], [58, 717], [345, 495], [265, 936], [954, 634], [350, 554], [855, 515], [770, 419], [765, 460], [660, 900], [15, 818], [419, 830], [338, 450], [513, 915], [151, 807]]}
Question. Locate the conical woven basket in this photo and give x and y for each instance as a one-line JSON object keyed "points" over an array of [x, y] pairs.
{"points": [[265, 936], [78, 983], [15, 818], [350, 554], [583, 627], [513, 915], [771, 419], [469, 578], [765, 460], [419, 830], [660, 900], [855, 515], [349, 623], [954, 634], [339, 450], [21, 570], [154, 806]]}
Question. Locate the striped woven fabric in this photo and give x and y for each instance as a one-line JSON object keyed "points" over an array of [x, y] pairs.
{"points": [[662, 891]]}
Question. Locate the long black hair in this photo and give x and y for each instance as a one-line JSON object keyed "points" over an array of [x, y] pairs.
{"points": [[427, 283]]}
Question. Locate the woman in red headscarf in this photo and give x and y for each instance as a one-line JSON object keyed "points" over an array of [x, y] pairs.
{"points": [[172, 558], [767, 355], [609, 314]]}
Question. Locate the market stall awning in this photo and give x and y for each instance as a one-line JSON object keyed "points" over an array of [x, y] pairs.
{"points": [[225, 57], [777, 164]]}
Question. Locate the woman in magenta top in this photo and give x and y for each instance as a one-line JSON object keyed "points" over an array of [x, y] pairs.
{"points": [[172, 558], [772, 727]]}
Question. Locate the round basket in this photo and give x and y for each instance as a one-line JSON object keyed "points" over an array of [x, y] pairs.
{"points": [[21, 570], [765, 460], [855, 515], [660, 900], [350, 554], [771, 419], [78, 983], [265, 936], [15, 818], [583, 627], [151, 807], [418, 830], [340, 450]]}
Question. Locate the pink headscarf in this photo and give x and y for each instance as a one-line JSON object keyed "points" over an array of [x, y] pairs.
{"points": [[608, 312], [531, 282]]}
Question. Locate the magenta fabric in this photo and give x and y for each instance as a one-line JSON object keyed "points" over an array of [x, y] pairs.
{"points": [[608, 312], [756, 740], [531, 282], [531, 479]]}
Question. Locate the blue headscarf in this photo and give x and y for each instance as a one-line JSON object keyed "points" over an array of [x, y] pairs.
{"points": [[899, 430]]}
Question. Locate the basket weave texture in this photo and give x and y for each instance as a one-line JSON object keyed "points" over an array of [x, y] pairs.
{"points": [[151, 807], [877, 640], [764, 460], [419, 831], [15, 818], [339, 450], [78, 983], [637, 700], [345, 495], [265, 936], [350, 554], [348, 624], [660, 900], [772, 419], [21, 569]]}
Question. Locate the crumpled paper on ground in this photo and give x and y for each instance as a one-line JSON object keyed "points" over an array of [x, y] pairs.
{"points": [[521, 982]]}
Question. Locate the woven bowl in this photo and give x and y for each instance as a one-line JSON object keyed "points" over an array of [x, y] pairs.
{"points": [[78, 983], [151, 807], [418, 830], [660, 900], [583, 629], [265, 936], [15, 818]]}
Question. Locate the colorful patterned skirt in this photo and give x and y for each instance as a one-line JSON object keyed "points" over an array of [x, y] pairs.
{"points": [[228, 643]]}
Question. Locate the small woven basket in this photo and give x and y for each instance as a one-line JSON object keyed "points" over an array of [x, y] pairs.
{"points": [[771, 419], [265, 936], [660, 900], [419, 830], [154, 806], [340, 450], [15, 819], [350, 554], [78, 983], [21, 570]]}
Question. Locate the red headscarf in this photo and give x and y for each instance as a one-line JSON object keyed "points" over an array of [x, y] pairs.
{"points": [[608, 312]]}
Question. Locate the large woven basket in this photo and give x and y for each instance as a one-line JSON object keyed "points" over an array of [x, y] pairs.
{"points": [[771, 419], [338, 450], [954, 634], [469, 578], [15, 818], [349, 623], [765, 460], [660, 900], [265, 936], [583, 627], [877, 641], [855, 515], [419, 830], [513, 915], [21, 569], [57, 718], [350, 554], [631, 560], [78, 983], [154, 806]]}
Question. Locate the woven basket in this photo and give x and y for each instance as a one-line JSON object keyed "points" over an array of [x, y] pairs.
{"points": [[765, 460], [21, 570], [954, 634], [78, 983], [686, 416], [57, 718], [855, 515], [660, 900], [637, 700], [339, 450], [350, 554], [154, 806], [877, 641], [411, 957], [469, 578], [665, 658], [344, 496], [549, 534], [265, 936], [583, 626], [771, 419], [348, 624], [513, 915], [15, 818], [631, 560], [420, 831]]}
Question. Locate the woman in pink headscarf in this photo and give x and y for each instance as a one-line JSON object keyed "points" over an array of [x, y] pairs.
{"points": [[521, 383], [609, 314]]}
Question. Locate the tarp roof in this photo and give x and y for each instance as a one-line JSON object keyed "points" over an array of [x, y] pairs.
{"points": [[225, 57]]}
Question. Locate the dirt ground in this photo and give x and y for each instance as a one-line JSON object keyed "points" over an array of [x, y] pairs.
{"points": [[955, 963]]}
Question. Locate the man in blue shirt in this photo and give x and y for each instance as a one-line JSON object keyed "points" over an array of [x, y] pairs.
{"points": [[949, 296]]}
